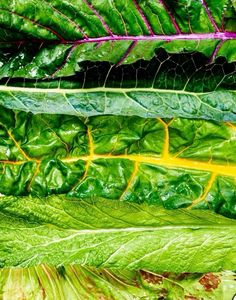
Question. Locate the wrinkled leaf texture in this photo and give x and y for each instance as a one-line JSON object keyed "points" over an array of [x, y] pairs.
{"points": [[136, 42], [124, 63], [167, 86], [55, 36], [106, 234], [174, 162]]}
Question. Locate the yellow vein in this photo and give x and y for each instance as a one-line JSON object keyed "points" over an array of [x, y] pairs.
{"points": [[206, 191], [165, 153], [170, 162], [131, 180], [18, 146]]}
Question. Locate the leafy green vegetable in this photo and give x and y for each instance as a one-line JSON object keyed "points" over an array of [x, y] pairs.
{"points": [[51, 38], [102, 233], [172, 61], [177, 162], [167, 86], [46, 282]]}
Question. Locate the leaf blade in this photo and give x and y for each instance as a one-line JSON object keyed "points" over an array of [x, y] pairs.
{"points": [[117, 240]]}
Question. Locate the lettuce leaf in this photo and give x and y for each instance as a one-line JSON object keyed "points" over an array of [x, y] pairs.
{"points": [[106, 234], [80, 282]]}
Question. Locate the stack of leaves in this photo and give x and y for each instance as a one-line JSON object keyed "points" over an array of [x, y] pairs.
{"points": [[117, 149]]}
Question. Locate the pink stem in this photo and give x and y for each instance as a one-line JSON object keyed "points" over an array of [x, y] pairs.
{"points": [[184, 37], [171, 17], [65, 60], [193, 36], [104, 24], [216, 50], [36, 23], [143, 17], [127, 52], [210, 15]]}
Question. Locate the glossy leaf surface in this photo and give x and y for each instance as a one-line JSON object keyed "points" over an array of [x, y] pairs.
{"points": [[167, 86], [51, 38], [174, 162]]}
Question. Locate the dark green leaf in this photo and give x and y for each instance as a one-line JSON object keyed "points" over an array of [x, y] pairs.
{"points": [[52, 37], [177, 162]]}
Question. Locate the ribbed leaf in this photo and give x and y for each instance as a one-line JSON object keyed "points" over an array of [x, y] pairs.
{"points": [[46, 282], [167, 86], [176, 162], [52, 37], [59, 231]]}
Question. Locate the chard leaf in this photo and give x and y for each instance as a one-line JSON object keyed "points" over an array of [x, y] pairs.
{"points": [[52, 37], [174, 162], [45, 282], [102, 233], [167, 86]]}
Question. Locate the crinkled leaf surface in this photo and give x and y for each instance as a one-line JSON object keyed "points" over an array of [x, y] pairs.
{"points": [[113, 234], [44, 282], [167, 86], [176, 162], [52, 37]]}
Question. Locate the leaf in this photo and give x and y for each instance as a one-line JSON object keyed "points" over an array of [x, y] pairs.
{"points": [[174, 162], [52, 38], [167, 86], [101, 233], [44, 282]]}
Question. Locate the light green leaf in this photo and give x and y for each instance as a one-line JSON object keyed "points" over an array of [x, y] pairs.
{"points": [[44, 282], [102, 233]]}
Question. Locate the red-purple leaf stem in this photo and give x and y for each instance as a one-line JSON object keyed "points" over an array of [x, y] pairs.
{"points": [[104, 24], [171, 17], [185, 37], [69, 20], [143, 17], [127, 52], [216, 50], [36, 23], [169, 38], [210, 15], [65, 60]]}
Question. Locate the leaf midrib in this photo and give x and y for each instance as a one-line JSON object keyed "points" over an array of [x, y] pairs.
{"points": [[5, 88], [169, 162]]}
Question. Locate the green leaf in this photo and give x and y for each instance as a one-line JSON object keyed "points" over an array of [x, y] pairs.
{"points": [[167, 86], [52, 37], [174, 162], [102, 233], [90, 283]]}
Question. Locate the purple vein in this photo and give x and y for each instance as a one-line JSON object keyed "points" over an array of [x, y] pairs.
{"points": [[216, 50], [210, 15], [65, 60], [127, 52], [170, 16], [104, 24], [36, 23], [69, 20], [143, 17], [184, 37]]}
